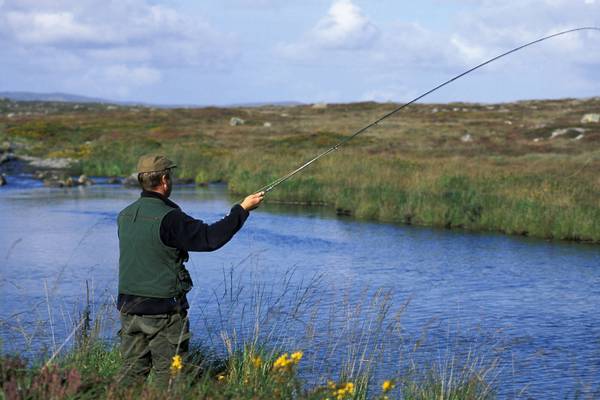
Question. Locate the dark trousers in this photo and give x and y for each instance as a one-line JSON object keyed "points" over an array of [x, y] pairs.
{"points": [[149, 342]]}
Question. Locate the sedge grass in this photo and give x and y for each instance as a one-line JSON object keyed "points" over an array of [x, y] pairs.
{"points": [[340, 346], [414, 168]]}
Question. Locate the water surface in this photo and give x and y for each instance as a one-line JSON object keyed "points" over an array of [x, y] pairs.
{"points": [[530, 303]]}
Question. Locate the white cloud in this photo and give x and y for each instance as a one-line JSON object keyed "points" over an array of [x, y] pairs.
{"points": [[499, 26], [344, 27], [112, 40], [47, 28], [468, 52]]}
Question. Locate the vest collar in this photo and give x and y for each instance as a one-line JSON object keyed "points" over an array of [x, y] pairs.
{"points": [[156, 195]]}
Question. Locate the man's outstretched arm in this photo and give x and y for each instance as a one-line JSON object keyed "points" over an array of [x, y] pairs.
{"points": [[184, 232]]}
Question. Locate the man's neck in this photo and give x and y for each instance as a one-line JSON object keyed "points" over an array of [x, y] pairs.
{"points": [[160, 191], [153, 193]]}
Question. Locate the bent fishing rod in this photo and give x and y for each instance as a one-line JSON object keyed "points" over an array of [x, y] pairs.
{"points": [[267, 188]]}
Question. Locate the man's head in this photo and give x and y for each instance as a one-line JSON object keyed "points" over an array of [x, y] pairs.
{"points": [[154, 173]]}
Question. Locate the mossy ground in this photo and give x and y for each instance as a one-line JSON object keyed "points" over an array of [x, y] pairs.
{"points": [[417, 167]]}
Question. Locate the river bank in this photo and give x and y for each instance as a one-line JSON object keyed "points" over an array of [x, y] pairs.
{"points": [[526, 168], [92, 370]]}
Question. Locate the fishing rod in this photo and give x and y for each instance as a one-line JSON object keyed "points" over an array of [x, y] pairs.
{"points": [[267, 188]]}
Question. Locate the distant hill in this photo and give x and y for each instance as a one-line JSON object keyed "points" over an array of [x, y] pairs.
{"points": [[73, 98], [60, 97], [267, 103]]}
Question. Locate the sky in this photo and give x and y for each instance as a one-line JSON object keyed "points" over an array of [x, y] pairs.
{"points": [[222, 52]]}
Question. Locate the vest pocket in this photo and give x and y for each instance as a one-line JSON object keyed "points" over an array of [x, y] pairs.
{"points": [[184, 280]]}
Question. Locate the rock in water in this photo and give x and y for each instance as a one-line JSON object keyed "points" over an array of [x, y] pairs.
{"points": [[590, 118], [84, 180], [41, 175], [53, 183], [3, 180], [131, 181], [7, 157]]}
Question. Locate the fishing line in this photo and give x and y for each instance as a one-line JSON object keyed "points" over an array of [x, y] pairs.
{"points": [[279, 181]]}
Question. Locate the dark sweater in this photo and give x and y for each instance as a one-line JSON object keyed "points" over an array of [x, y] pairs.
{"points": [[185, 233]]}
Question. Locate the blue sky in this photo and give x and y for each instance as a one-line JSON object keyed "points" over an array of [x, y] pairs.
{"points": [[237, 51]]}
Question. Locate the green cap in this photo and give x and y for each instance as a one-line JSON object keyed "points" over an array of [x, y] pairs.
{"points": [[154, 163]]}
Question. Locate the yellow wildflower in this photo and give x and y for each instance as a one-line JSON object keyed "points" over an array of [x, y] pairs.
{"points": [[297, 356], [350, 387], [331, 384], [176, 364], [257, 362], [220, 377], [346, 390], [386, 386], [282, 362]]}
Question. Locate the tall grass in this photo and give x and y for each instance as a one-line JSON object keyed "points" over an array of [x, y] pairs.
{"points": [[336, 346], [413, 168]]}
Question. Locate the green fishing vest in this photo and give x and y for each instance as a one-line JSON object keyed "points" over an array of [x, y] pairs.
{"points": [[148, 267]]}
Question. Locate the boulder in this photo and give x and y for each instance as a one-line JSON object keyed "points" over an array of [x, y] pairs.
{"points": [[84, 180], [570, 132], [466, 138], [4, 158], [343, 212], [42, 175], [235, 121], [131, 181], [590, 118], [6, 147], [267, 125], [49, 163], [53, 183]]}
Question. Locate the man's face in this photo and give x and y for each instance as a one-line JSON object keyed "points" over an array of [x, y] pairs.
{"points": [[169, 183]]}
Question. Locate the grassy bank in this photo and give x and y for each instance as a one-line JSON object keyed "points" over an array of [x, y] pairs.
{"points": [[527, 168], [92, 371], [290, 341]]}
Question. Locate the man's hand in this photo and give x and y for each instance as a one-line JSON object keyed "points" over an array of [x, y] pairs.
{"points": [[252, 201]]}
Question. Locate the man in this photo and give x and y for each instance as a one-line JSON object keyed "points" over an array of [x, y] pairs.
{"points": [[154, 239]]}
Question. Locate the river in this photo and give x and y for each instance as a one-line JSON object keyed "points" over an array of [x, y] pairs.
{"points": [[304, 278]]}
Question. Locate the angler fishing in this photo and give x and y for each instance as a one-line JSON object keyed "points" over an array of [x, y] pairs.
{"points": [[267, 188], [155, 236]]}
